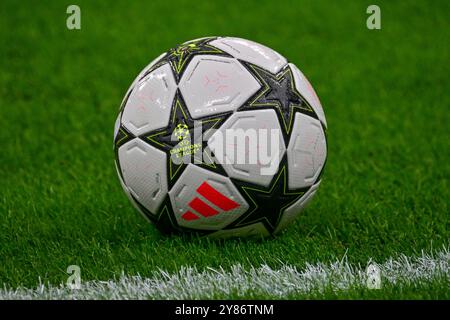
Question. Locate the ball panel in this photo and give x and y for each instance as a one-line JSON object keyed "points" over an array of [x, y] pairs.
{"points": [[292, 212], [116, 126], [144, 172], [129, 196], [146, 69], [149, 104], [214, 84], [205, 200], [255, 168], [255, 230], [307, 91], [306, 151], [149, 66], [199, 39], [252, 52]]}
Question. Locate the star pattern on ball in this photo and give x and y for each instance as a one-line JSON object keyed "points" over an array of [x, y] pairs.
{"points": [[278, 91], [122, 137], [180, 55], [267, 204], [183, 141], [165, 220]]}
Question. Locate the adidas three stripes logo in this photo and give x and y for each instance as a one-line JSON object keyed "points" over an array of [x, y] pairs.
{"points": [[217, 199]]}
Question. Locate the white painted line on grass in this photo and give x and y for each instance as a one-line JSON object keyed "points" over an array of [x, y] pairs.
{"points": [[189, 283]]}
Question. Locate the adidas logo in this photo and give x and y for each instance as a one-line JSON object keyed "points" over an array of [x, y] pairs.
{"points": [[201, 207]]}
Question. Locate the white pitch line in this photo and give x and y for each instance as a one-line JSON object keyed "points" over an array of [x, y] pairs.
{"points": [[189, 283]]}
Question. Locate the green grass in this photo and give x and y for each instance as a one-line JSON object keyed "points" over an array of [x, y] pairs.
{"points": [[385, 95], [435, 289]]}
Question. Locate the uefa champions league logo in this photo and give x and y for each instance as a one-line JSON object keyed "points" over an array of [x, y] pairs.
{"points": [[184, 149], [181, 132]]}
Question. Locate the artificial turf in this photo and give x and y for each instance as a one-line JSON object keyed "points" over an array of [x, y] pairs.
{"points": [[384, 92]]}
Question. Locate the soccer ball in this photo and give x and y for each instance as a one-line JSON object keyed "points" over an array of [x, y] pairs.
{"points": [[222, 137]]}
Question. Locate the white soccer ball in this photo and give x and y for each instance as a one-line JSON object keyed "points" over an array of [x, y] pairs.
{"points": [[220, 136]]}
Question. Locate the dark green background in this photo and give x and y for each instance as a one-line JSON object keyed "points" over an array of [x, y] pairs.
{"points": [[385, 95]]}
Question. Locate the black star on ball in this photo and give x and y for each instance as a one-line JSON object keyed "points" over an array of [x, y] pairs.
{"points": [[267, 204], [183, 141], [278, 91]]}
